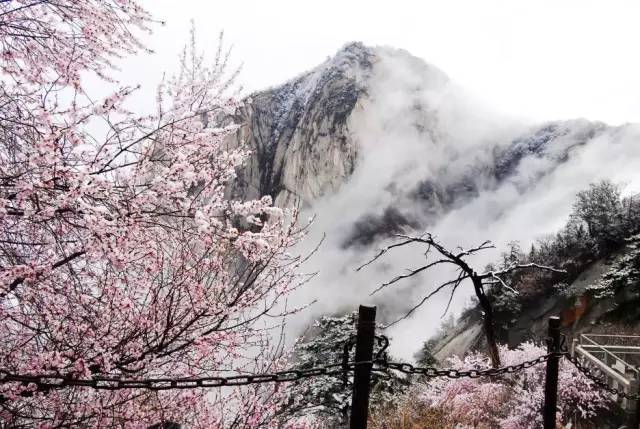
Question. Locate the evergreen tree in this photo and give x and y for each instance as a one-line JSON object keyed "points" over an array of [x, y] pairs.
{"points": [[600, 208], [327, 399], [425, 357]]}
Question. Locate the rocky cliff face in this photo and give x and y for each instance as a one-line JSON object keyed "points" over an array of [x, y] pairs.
{"points": [[302, 146]]}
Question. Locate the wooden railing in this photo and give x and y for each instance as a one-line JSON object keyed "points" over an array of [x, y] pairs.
{"points": [[616, 357]]}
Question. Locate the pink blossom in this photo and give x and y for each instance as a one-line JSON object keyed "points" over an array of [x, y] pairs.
{"points": [[121, 255], [513, 401]]}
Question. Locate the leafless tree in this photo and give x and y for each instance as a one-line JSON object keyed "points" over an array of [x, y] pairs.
{"points": [[464, 272]]}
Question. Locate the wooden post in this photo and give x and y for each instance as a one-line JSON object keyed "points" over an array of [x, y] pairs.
{"points": [[634, 421], [362, 373], [637, 414], [551, 380]]}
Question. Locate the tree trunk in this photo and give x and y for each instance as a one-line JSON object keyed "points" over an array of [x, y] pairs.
{"points": [[487, 322]]}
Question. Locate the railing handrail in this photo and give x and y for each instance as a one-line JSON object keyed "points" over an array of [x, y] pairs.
{"points": [[611, 335], [626, 350], [605, 368], [608, 352]]}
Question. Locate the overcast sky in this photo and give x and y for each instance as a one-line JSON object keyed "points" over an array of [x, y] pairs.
{"points": [[535, 59]]}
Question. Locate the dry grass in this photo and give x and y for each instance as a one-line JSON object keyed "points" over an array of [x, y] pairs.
{"points": [[408, 416], [412, 416]]}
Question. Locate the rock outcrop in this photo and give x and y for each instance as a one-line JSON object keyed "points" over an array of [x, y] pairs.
{"points": [[298, 132]]}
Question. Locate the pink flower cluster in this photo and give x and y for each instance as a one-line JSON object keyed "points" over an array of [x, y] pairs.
{"points": [[513, 401], [120, 254]]}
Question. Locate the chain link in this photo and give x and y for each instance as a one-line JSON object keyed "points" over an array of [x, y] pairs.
{"points": [[598, 381], [54, 381], [432, 372], [378, 365]]}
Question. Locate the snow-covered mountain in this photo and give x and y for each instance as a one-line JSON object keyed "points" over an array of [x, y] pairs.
{"points": [[375, 141]]}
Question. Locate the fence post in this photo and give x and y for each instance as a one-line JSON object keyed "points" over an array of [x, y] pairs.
{"points": [[634, 421], [362, 373], [637, 416], [551, 380]]}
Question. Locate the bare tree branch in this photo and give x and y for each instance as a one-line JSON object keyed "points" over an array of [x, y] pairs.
{"points": [[382, 252], [517, 267], [461, 277], [502, 282], [438, 289], [411, 273], [465, 272], [485, 245]]}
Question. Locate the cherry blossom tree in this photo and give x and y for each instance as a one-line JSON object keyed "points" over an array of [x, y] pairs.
{"points": [[120, 254], [512, 401]]}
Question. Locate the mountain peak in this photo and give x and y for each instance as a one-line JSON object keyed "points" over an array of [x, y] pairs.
{"points": [[353, 54]]}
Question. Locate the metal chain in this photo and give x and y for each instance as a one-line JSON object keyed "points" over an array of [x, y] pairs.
{"points": [[432, 372], [598, 381], [379, 364], [102, 383]]}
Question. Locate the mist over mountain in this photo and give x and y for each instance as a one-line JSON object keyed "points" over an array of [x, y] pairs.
{"points": [[375, 142]]}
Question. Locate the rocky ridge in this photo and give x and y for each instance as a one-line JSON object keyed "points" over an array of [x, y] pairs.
{"points": [[303, 146]]}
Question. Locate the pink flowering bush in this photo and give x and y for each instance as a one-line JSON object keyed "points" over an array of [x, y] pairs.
{"points": [[512, 401], [120, 254]]}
